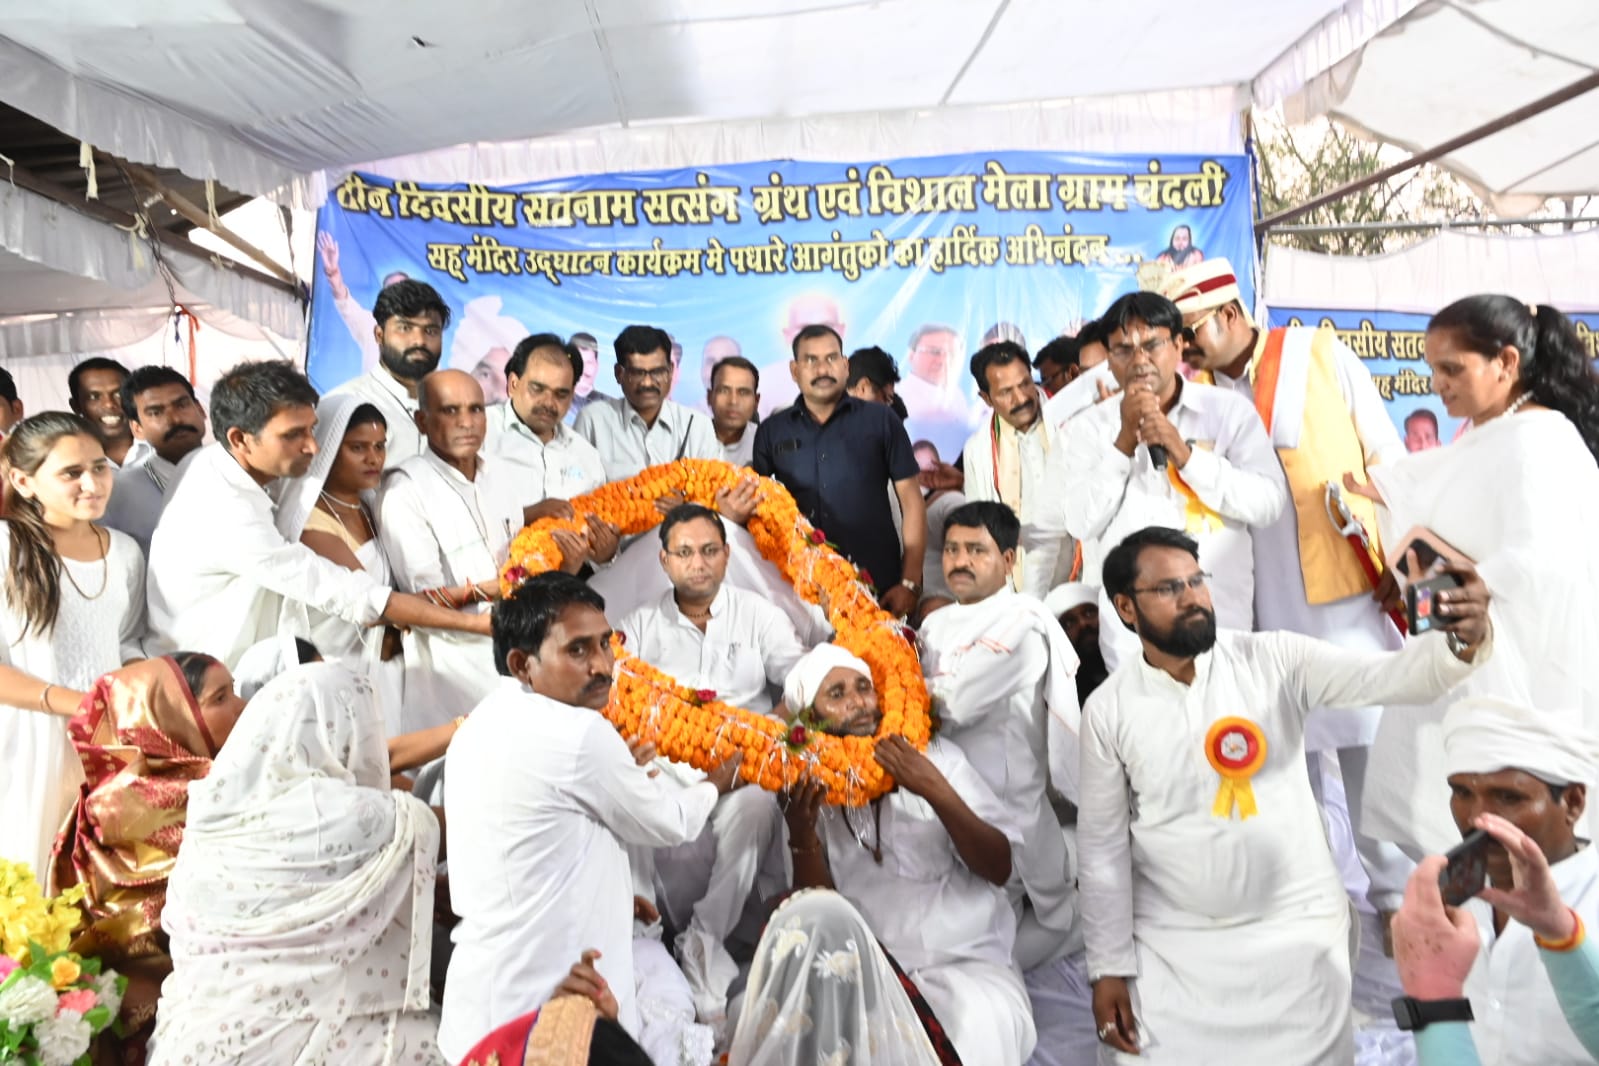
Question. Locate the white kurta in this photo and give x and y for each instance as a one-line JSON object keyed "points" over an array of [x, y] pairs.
{"points": [[1357, 622], [137, 498], [1235, 930], [222, 577], [1520, 496], [996, 674], [949, 929], [1232, 469], [1081, 393], [1046, 548], [567, 466], [742, 451], [439, 529], [541, 799], [39, 770], [385, 392], [627, 445], [1519, 1020]]}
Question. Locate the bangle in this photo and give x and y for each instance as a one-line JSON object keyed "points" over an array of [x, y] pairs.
{"points": [[44, 698], [809, 849], [1571, 943]]}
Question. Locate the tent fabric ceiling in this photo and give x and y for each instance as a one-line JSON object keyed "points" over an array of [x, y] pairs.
{"points": [[1451, 65], [264, 94]]}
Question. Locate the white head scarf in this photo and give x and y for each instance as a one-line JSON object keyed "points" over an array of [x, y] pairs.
{"points": [[298, 497], [822, 991], [1484, 735], [805, 680], [1063, 598], [264, 661], [300, 868]]}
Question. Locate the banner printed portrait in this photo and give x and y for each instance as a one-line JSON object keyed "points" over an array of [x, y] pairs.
{"points": [[1391, 344], [928, 258]]}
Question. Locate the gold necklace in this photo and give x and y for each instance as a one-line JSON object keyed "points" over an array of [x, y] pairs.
{"points": [[105, 567]]}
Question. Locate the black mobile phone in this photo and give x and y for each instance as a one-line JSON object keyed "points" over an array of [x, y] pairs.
{"points": [[1426, 556], [1467, 872], [1419, 602]]}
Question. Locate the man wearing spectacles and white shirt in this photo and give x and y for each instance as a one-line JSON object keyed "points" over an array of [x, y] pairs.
{"points": [[644, 428], [1173, 453], [710, 636]]}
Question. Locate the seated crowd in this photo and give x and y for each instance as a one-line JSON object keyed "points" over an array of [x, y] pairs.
{"points": [[332, 796]]}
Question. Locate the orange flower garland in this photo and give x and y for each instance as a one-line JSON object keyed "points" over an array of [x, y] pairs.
{"points": [[693, 727]]}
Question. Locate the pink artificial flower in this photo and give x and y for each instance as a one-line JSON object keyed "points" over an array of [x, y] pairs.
{"points": [[82, 1000], [797, 736], [818, 537], [705, 695], [7, 965], [516, 575]]}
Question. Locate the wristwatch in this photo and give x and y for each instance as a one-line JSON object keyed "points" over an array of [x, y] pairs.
{"points": [[914, 586], [1412, 1015]]}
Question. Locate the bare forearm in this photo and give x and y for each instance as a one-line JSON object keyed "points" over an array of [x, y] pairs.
{"points": [[410, 750], [21, 689], [810, 864], [983, 849], [408, 611]]}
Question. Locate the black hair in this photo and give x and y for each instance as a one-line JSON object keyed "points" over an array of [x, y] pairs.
{"points": [[872, 364], [367, 414], [146, 378], [248, 396], [689, 512], [737, 362], [1555, 369], [642, 340], [1120, 570], [523, 619], [517, 364], [896, 403], [1150, 308], [193, 666], [1092, 332], [610, 1045], [1423, 412], [410, 299], [1000, 353], [811, 332], [306, 652], [8, 386], [1062, 351], [97, 362], [1000, 521]]}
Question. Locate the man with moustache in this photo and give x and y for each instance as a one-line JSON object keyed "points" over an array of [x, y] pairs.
{"points": [[160, 405], [1007, 462], [544, 799], [644, 428], [807, 309], [94, 392], [1169, 452], [734, 396], [222, 578], [410, 320], [1208, 889], [446, 519], [835, 454]]}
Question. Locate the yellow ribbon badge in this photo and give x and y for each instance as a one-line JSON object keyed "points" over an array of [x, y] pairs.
{"points": [[1236, 748]]}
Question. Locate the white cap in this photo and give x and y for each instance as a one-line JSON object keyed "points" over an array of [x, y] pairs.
{"points": [[805, 680]]}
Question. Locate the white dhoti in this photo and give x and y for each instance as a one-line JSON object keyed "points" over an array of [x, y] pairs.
{"points": [[984, 1009]]}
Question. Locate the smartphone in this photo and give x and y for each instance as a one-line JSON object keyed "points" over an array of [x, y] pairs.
{"points": [[1427, 557], [1420, 605], [1467, 872]]}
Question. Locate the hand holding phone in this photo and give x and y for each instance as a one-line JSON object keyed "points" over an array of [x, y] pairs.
{"points": [[1422, 605], [1467, 871]]}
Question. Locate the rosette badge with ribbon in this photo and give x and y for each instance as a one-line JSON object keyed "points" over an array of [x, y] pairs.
{"points": [[1236, 748]]}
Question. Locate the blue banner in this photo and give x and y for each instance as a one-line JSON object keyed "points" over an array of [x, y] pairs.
{"points": [[1391, 344], [928, 258]]}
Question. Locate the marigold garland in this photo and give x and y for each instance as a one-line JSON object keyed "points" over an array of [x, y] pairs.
{"points": [[703, 732]]}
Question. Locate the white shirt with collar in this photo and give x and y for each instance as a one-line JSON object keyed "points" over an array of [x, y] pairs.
{"points": [[567, 466], [137, 497], [222, 577], [388, 394], [1519, 1021], [742, 451], [439, 529], [747, 644], [627, 446]]}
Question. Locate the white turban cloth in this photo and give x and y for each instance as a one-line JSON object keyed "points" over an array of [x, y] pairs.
{"points": [[805, 680], [1063, 598], [1484, 735], [263, 662]]}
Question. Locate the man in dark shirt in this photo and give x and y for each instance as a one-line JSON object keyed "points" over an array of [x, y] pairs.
{"points": [[837, 455]]}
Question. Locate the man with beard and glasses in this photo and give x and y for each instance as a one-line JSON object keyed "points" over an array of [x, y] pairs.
{"points": [[1076, 607], [94, 391], [644, 428], [410, 317], [544, 798], [1007, 461], [446, 519], [926, 865], [837, 454], [160, 405], [1210, 896]]}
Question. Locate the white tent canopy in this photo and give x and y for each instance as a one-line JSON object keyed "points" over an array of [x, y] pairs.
{"points": [[1450, 66], [275, 95]]}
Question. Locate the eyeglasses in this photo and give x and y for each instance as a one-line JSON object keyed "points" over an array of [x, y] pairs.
{"points": [[1123, 352], [658, 373], [1187, 332], [706, 552], [1170, 590]]}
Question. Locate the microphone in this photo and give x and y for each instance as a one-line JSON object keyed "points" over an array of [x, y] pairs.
{"points": [[1157, 456]]}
